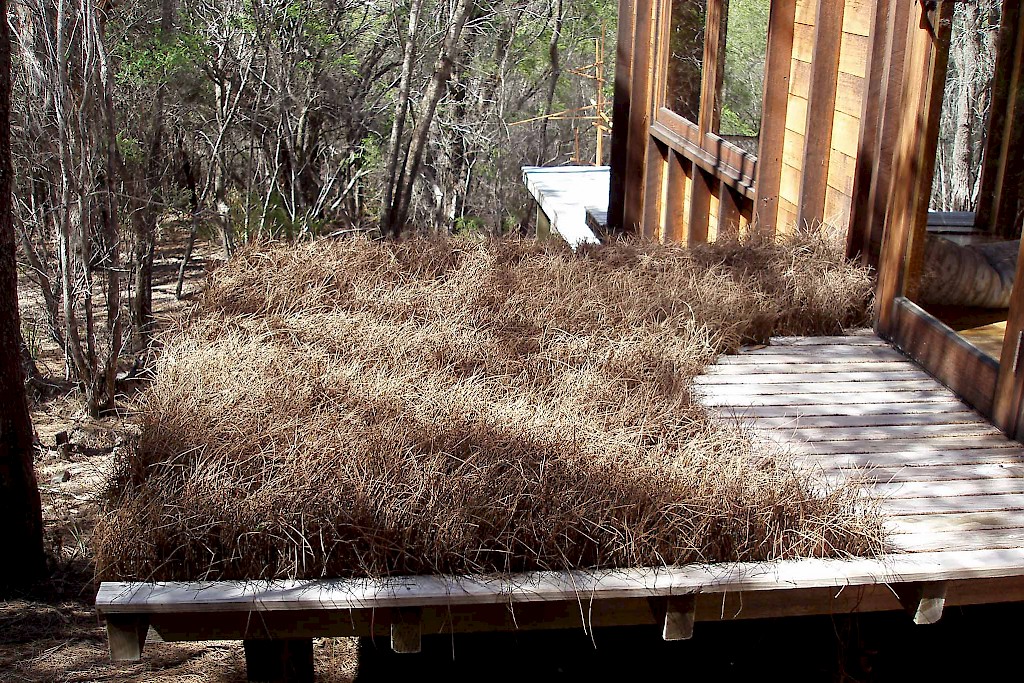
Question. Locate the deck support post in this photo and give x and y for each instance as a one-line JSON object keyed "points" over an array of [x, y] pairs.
{"points": [[407, 631], [922, 601], [679, 617], [126, 635], [279, 661]]}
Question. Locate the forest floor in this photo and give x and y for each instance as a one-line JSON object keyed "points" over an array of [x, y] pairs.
{"points": [[53, 633]]}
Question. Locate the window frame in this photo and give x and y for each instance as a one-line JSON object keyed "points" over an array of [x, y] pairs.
{"points": [[696, 139]]}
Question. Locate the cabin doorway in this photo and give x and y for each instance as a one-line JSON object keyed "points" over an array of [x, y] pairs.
{"points": [[949, 271]]}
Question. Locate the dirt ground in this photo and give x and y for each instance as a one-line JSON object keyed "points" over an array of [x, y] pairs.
{"points": [[53, 633]]}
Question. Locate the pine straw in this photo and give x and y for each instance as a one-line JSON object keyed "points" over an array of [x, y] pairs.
{"points": [[359, 408]]}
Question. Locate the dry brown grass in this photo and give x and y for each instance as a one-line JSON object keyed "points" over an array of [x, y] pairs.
{"points": [[366, 408]]}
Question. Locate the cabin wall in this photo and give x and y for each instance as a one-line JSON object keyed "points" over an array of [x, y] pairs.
{"points": [[850, 74], [806, 166]]}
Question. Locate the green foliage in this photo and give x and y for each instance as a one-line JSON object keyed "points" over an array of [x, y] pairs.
{"points": [[745, 50], [153, 59], [131, 148], [735, 124], [469, 225]]}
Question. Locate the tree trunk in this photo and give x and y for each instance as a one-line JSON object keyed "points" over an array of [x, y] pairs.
{"points": [[42, 279], [33, 378], [192, 183], [145, 234], [398, 125], [442, 72], [20, 508], [962, 175], [556, 72], [107, 376]]}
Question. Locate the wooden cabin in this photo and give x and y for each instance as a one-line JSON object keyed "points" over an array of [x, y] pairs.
{"points": [[846, 134]]}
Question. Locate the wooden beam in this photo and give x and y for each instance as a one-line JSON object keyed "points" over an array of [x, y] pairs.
{"points": [[640, 109], [946, 355], [973, 577], [700, 208], [775, 103], [1009, 398], [654, 188], [923, 601], [680, 613], [729, 211], [1009, 392], [821, 104], [857, 236], [407, 631], [126, 636], [620, 113], [675, 200], [711, 163], [443, 592], [924, 83], [890, 116], [279, 661], [838, 597]]}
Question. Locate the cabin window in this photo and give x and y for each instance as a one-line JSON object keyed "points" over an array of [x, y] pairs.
{"points": [[745, 50], [729, 107], [686, 58]]}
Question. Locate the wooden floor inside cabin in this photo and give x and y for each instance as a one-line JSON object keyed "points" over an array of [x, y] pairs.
{"points": [[984, 328], [987, 338], [854, 406]]}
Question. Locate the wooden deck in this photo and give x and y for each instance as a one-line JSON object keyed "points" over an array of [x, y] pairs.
{"points": [[848, 406], [853, 406]]}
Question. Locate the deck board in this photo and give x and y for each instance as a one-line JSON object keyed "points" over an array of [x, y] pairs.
{"points": [[853, 407]]}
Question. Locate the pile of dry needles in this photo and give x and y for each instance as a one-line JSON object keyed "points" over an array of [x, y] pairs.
{"points": [[354, 408]]}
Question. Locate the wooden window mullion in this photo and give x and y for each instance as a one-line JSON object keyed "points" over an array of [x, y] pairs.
{"points": [[775, 101], [714, 63]]}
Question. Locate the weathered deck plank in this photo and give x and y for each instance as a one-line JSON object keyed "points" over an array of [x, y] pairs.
{"points": [[854, 407], [812, 377], [815, 386], [808, 367], [819, 410], [866, 422], [261, 596]]}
